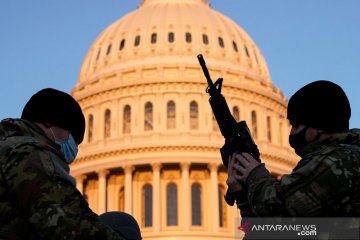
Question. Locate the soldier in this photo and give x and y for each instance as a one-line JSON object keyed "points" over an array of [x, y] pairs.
{"points": [[38, 197], [326, 181]]}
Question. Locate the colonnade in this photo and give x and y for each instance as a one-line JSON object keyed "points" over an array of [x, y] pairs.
{"points": [[211, 213]]}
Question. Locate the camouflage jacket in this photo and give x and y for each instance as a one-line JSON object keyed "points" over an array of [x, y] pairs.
{"points": [[326, 182], [38, 197]]}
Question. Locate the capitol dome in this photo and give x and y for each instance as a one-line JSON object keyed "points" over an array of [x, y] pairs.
{"points": [[151, 145]]}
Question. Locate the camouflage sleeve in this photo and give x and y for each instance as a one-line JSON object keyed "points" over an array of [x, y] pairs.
{"points": [[263, 196], [325, 183], [52, 205]]}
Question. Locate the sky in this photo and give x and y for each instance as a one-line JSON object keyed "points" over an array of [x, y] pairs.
{"points": [[43, 42]]}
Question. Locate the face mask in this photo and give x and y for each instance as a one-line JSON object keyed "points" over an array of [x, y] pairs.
{"points": [[298, 140], [68, 148]]}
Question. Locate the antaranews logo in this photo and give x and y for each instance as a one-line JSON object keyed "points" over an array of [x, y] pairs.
{"points": [[298, 228], [277, 230]]}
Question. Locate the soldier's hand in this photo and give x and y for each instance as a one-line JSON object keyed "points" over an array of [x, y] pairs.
{"points": [[243, 166], [233, 184]]}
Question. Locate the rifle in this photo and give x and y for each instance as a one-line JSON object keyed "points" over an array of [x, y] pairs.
{"points": [[237, 135]]}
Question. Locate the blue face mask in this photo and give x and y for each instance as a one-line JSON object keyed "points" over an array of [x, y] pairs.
{"points": [[68, 147]]}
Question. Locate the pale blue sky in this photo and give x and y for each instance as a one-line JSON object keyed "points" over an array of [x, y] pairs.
{"points": [[43, 42]]}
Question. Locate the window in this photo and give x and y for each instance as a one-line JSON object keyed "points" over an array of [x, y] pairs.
{"points": [[137, 41], [107, 125], [246, 51], [196, 204], [98, 55], [221, 42], [171, 205], [235, 46], [147, 206], [171, 37], [90, 129], [268, 124], [222, 207], [256, 58], [205, 39], [188, 37], [122, 199], [108, 50], [171, 115], [236, 114], [153, 38], [122, 44], [148, 125], [127, 119], [194, 115], [254, 124]]}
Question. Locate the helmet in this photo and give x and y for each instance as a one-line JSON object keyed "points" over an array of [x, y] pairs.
{"points": [[122, 223]]}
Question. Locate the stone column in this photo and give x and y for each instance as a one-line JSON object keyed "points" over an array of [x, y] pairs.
{"points": [[214, 195], [185, 177], [102, 174], [80, 183], [128, 189], [156, 197]]}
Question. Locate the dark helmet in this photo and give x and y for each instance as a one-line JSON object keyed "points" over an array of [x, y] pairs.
{"points": [[122, 223], [322, 105], [57, 108]]}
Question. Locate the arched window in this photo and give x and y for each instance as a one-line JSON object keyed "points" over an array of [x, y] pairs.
{"points": [[107, 126], [98, 55], [256, 58], [268, 124], [194, 115], [122, 199], [235, 46], [188, 38], [195, 204], [221, 42], [148, 124], [147, 210], [222, 207], [127, 119], [108, 50], [205, 39], [254, 124], [171, 205], [153, 38], [171, 115], [171, 37], [122, 44], [236, 113], [90, 128], [137, 41], [246, 51]]}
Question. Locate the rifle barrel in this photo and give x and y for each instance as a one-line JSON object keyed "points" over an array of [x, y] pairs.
{"points": [[205, 70]]}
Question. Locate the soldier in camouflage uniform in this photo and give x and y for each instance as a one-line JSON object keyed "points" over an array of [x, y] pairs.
{"points": [[326, 181], [38, 197]]}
